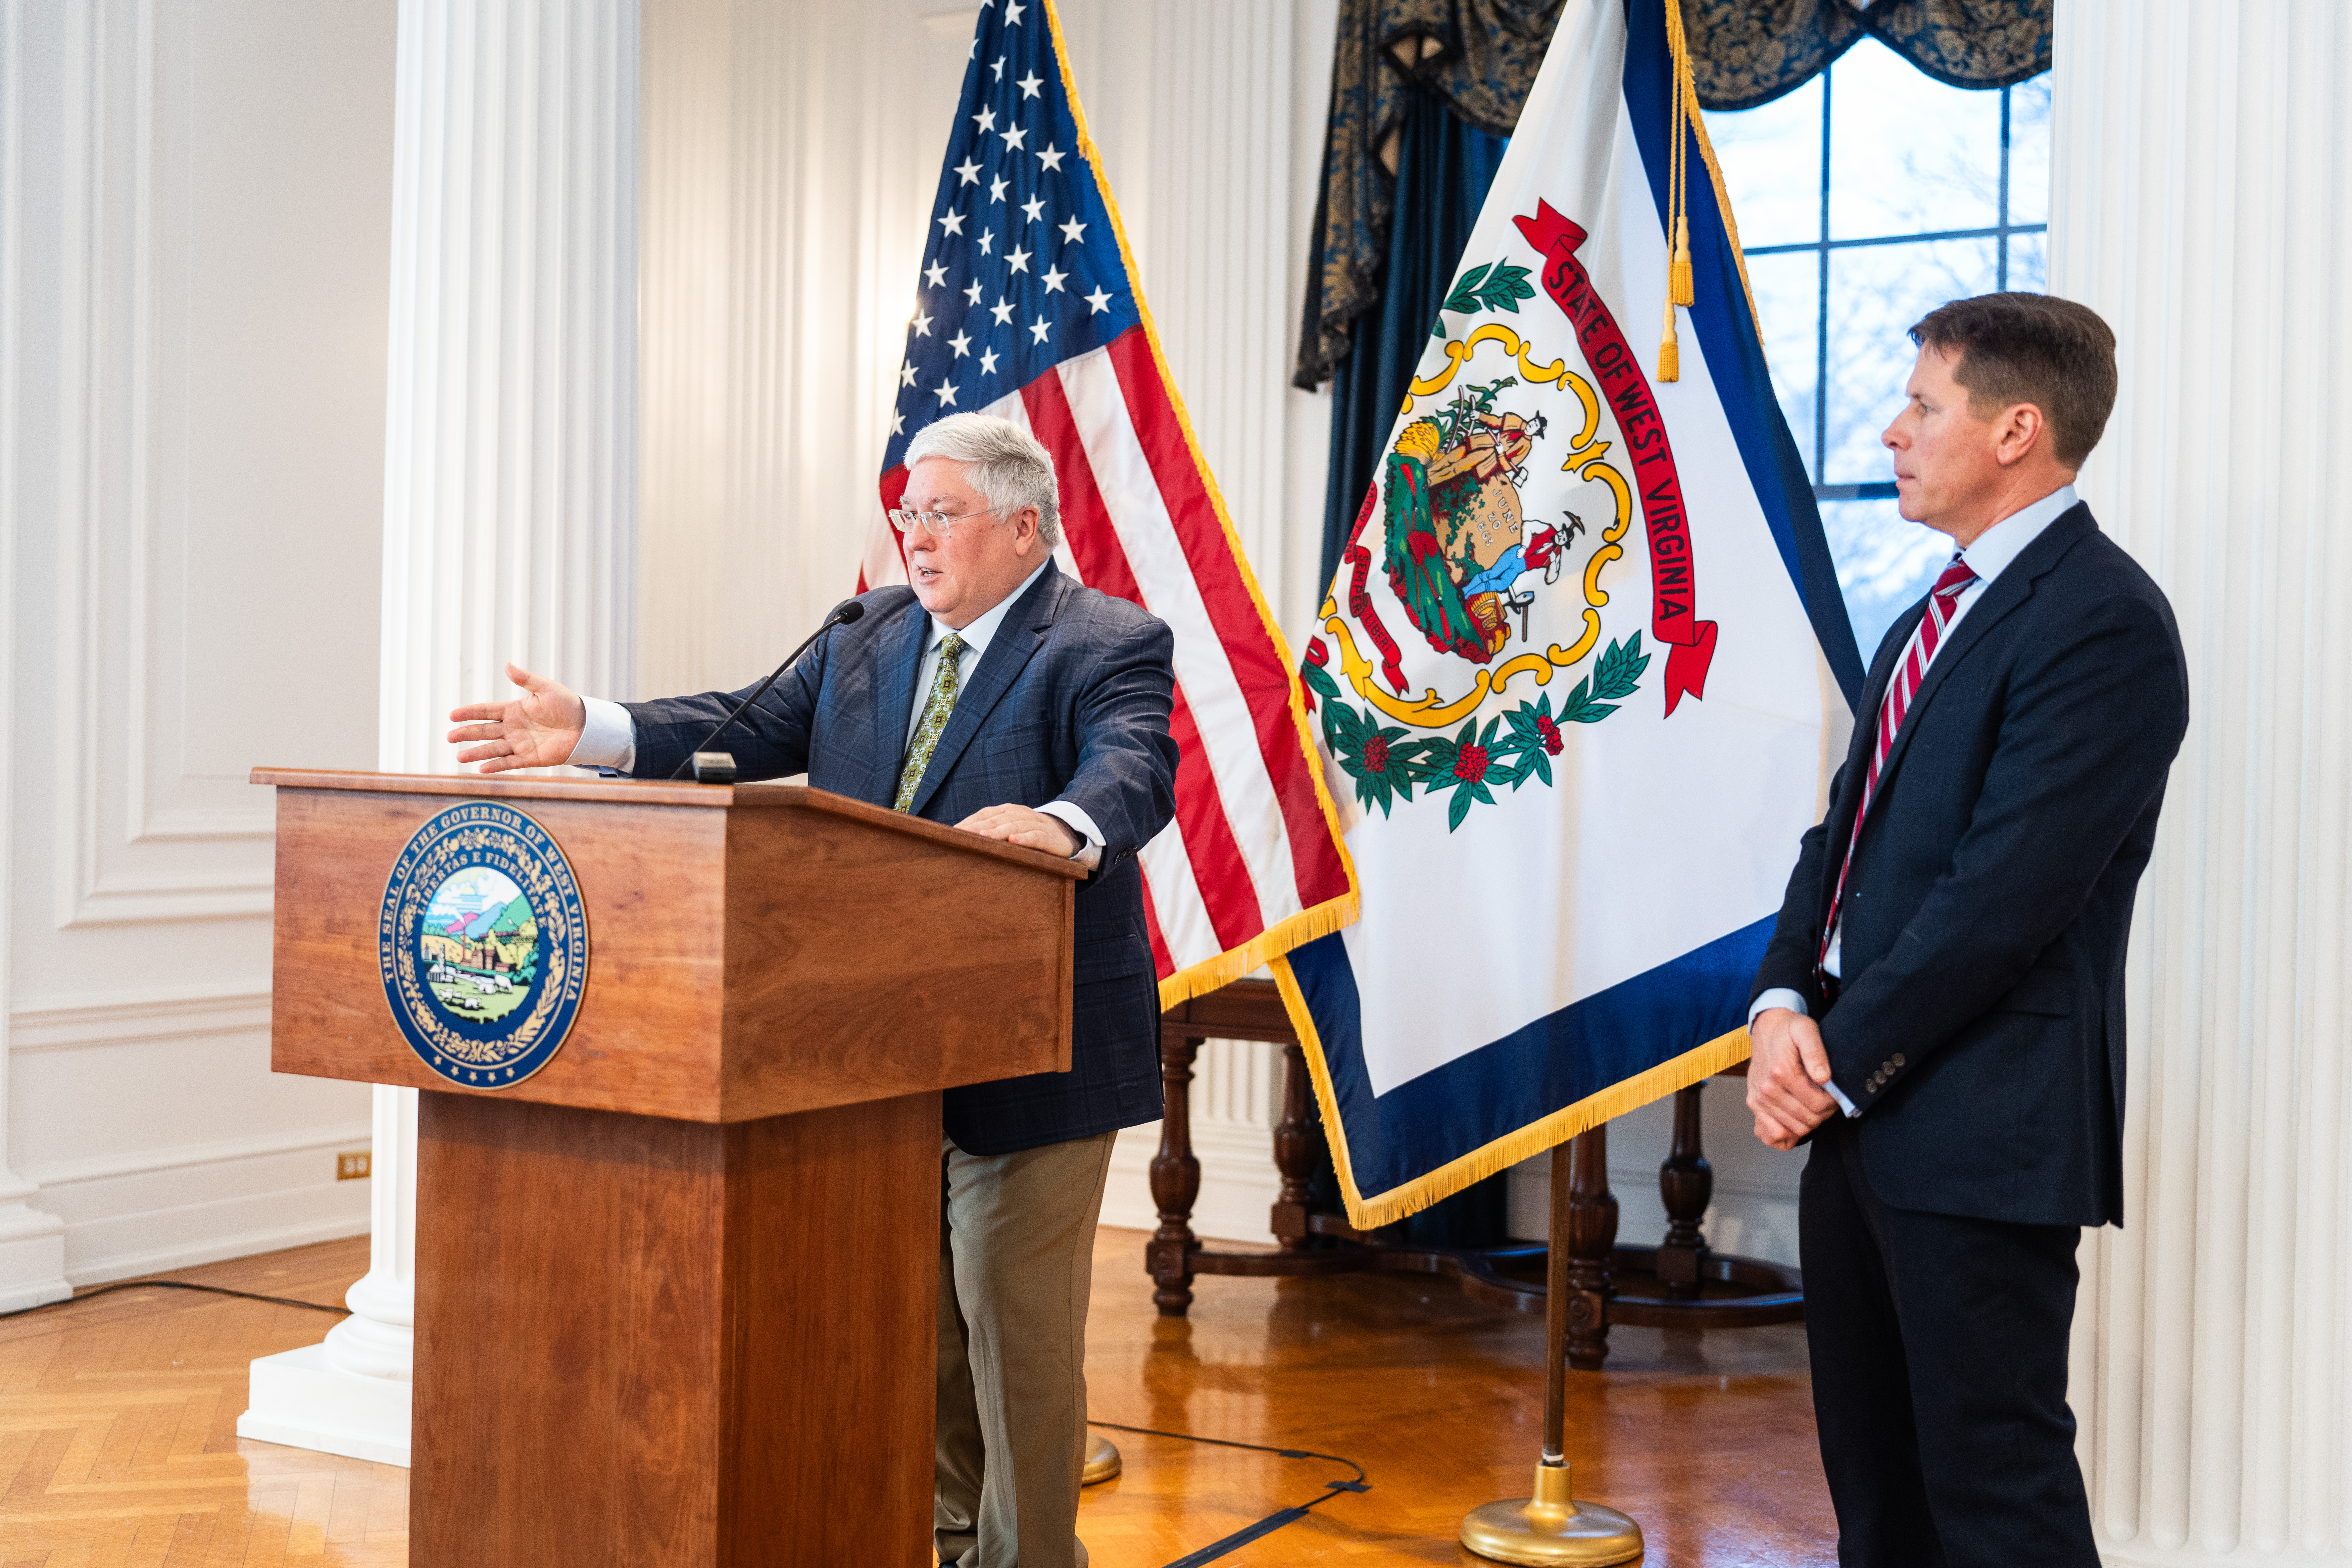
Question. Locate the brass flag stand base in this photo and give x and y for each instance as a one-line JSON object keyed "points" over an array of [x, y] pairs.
{"points": [[1551, 1527], [1102, 1460]]}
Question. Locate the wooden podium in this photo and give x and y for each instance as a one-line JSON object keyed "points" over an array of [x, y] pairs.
{"points": [[677, 1291]]}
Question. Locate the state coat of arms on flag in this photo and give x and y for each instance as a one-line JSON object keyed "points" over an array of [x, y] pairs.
{"points": [[1584, 667]]}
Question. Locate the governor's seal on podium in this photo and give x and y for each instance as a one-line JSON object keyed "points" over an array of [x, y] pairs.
{"points": [[483, 945]]}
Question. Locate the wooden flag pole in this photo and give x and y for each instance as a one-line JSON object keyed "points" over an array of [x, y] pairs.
{"points": [[1551, 1528]]}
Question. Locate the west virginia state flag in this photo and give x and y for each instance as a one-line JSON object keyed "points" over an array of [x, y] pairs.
{"points": [[1583, 672]]}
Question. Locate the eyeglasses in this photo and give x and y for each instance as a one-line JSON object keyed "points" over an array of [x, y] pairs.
{"points": [[938, 524]]}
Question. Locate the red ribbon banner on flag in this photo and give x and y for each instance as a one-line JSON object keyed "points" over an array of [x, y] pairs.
{"points": [[1674, 617]]}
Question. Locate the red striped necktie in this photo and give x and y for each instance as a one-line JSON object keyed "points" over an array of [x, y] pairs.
{"points": [[1943, 604]]}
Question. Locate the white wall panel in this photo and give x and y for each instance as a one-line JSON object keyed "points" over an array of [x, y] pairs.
{"points": [[196, 201], [790, 155]]}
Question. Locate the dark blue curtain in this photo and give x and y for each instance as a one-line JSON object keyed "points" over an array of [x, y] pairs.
{"points": [[1443, 167]]}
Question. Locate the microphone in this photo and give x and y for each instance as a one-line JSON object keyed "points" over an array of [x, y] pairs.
{"points": [[845, 612]]}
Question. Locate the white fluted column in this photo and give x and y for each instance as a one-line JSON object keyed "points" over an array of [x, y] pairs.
{"points": [[509, 520], [2202, 202]]}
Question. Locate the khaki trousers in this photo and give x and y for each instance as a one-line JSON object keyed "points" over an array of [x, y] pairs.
{"points": [[1017, 1258]]}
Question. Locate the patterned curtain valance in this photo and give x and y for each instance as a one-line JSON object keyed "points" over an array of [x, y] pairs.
{"points": [[1479, 57], [1746, 52], [1476, 57]]}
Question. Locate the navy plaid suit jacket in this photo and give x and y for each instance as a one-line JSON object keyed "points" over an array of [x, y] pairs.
{"points": [[1070, 702]]}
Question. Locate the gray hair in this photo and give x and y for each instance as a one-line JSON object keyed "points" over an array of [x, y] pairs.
{"points": [[1001, 462]]}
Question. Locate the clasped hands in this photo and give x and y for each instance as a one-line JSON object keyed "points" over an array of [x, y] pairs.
{"points": [[1787, 1066], [542, 727]]}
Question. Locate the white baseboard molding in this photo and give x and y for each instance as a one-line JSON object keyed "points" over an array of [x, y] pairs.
{"points": [[1754, 1212], [1750, 1219], [32, 1260], [214, 1248], [185, 1157], [150, 1210], [1238, 1181]]}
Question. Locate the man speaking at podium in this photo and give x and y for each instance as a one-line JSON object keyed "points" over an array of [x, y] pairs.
{"points": [[997, 695]]}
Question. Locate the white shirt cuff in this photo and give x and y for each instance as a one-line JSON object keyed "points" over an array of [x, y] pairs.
{"points": [[1779, 997], [609, 738], [1782, 996], [1089, 853]]}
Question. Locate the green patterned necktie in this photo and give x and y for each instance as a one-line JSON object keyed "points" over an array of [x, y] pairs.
{"points": [[944, 689]]}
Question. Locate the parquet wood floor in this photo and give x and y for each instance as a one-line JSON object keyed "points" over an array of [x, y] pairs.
{"points": [[1707, 1440], [117, 1432], [118, 1417]]}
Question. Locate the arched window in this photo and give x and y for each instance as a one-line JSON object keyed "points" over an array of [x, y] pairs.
{"points": [[1864, 199]]}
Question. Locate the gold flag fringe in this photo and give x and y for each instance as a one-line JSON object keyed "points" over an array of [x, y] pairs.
{"points": [[1264, 948], [1386, 1208]]}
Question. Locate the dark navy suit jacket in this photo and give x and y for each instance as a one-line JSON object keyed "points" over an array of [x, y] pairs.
{"points": [[1070, 702], [1979, 1023]]}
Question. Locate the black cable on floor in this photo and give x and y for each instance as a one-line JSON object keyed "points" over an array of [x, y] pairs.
{"points": [[78, 1297], [1272, 1522]]}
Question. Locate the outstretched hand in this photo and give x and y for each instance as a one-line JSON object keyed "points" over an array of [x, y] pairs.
{"points": [[537, 730], [1787, 1065]]}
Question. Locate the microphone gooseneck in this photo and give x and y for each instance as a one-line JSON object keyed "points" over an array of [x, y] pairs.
{"points": [[843, 614]]}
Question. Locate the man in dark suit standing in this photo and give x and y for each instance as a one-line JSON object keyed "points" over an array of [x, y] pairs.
{"points": [[998, 695], [1940, 1010]]}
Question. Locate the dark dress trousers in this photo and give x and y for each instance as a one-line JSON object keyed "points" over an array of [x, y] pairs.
{"points": [[1978, 1030], [1070, 702]]}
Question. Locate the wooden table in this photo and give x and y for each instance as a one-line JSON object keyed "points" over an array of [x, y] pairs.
{"points": [[1679, 1283]]}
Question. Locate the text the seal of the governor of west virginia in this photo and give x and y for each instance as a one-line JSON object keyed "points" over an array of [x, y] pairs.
{"points": [[484, 944]]}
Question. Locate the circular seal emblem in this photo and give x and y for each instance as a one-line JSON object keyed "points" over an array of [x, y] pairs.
{"points": [[483, 945]]}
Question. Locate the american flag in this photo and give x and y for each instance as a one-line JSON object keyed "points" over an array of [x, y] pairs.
{"points": [[1027, 308]]}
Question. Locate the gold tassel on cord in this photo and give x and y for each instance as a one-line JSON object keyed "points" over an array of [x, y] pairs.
{"points": [[1679, 286]]}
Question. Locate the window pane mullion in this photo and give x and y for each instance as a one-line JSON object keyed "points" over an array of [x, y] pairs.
{"points": [[2001, 263], [1821, 321]]}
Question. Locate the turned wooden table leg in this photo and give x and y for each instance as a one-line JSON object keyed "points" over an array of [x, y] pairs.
{"points": [[1686, 1183], [1591, 1240], [1294, 1152], [1175, 1180]]}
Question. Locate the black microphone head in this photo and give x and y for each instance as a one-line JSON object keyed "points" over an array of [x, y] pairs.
{"points": [[848, 613]]}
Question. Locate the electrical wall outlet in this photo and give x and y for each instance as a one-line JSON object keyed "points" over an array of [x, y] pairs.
{"points": [[351, 1167]]}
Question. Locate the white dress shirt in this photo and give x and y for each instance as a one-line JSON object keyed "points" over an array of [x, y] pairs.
{"points": [[609, 738], [1988, 557]]}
